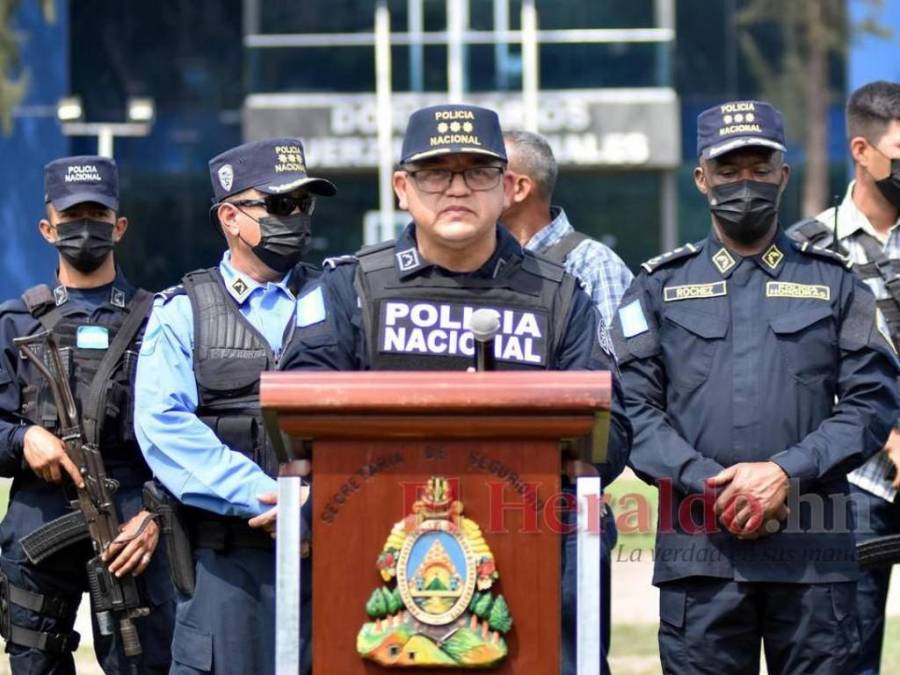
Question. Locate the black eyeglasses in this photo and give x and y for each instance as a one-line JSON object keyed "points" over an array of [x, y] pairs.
{"points": [[281, 205], [477, 178]]}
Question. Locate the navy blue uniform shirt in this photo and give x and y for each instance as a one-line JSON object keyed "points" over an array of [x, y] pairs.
{"points": [[338, 342], [773, 357]]}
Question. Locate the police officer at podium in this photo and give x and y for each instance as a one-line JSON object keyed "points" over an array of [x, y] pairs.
{"points": [[756, 377], [404, 304], [198, 417], [86, 306]]}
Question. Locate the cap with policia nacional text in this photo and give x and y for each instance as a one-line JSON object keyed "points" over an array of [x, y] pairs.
{"points": [[450, 129], [272, 166], [84, 178], [739, 124]]}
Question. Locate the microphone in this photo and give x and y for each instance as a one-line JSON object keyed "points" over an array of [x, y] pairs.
{"points": [[484, 324]]}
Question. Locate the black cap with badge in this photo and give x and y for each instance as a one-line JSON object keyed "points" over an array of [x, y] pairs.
{"points": [[451, 129], [84, 178], [739, 124], [272, 166]]}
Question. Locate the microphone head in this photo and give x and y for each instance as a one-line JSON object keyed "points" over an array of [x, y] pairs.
{"points": [[484, 324]]}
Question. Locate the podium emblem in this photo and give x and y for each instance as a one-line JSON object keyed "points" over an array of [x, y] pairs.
{"points": [[437, 608]]}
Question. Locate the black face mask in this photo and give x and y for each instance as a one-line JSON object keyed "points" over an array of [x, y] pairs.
{"points": [[890, 186], [284, 240], [84, 243], [745, 209]]}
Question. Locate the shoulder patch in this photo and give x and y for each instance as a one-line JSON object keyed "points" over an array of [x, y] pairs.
{"points": [[676, 254], [311, 308], [171, 292], [334, 261], [826, 253]]}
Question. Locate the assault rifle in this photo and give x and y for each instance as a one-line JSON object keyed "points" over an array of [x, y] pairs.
{"points": [[116, 600]]}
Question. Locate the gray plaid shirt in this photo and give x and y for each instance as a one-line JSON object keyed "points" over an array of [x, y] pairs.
{"points": [[871, 476]]}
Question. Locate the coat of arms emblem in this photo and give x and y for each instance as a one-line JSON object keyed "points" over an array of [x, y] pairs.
{"points": [[437, 609]]}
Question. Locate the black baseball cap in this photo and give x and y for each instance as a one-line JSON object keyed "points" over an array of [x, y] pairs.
{"points": [[739, 124], [272, 166], [84, 178], [451, 129]]}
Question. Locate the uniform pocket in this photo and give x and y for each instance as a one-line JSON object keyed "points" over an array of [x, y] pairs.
{"points": [[843, 602], [672, 605], [808, 342], [192, 647], [690, 340]]}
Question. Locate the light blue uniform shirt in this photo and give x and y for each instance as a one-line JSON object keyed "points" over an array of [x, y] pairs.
{"points": [[185, 454]]}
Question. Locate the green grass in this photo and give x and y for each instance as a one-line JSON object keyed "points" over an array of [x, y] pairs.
{"points": [[632, 501]]}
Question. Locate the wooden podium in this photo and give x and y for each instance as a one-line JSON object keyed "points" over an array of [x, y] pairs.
{"points": [[376, 437]]}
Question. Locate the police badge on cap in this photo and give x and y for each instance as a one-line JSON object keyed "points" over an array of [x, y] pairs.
{"points": [[451, 129], [272, 166], [739, 124]]}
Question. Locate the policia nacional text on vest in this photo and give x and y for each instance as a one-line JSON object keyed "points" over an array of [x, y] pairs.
{"points": [[420, 322], [229, 356]]}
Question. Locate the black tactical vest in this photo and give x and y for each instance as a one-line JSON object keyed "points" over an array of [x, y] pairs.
{"points": [[877, 266], [420, 323], [229, 356], [121, 453]]}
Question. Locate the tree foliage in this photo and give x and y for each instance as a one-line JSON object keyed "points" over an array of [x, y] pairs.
{"points": [[482, 608], [13, 77], [500, 620], [795, 77], [377, 606]]}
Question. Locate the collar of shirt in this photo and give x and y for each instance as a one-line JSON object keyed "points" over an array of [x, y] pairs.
{"points": [[850, 219], [241, 286], [410, 262], [551, 233], [770, 261], [120, 291]]}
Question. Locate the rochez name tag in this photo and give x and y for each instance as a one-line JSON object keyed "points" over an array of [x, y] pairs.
{"points": [[439, 329], [691, 291]]}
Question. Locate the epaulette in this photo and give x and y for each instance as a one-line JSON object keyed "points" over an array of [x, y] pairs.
{"points": [[827, 253], [659, 261], [331, 263], [171, 292]]}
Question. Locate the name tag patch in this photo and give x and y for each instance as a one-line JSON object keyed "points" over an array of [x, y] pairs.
{"points": [[691, 291], [92, 337], [787, 289], [439, 329]]}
